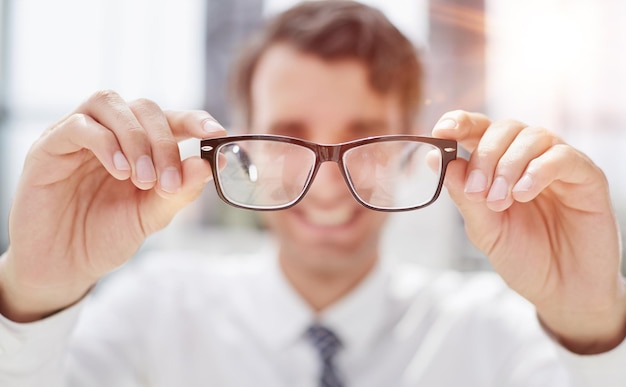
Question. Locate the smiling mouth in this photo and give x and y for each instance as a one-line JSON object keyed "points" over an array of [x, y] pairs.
{"points": [[329, 217]]}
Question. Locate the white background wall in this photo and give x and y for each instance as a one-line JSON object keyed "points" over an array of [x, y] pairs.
{"points": [[60, 52]]}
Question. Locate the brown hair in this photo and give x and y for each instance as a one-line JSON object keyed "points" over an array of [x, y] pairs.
{"points": [[336, 30]]}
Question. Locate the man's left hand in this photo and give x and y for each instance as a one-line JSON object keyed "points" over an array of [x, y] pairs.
{"points": [[541, 211]]}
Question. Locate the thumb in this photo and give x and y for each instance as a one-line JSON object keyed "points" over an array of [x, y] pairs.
{"points": [[481, 223], [160, 207]]}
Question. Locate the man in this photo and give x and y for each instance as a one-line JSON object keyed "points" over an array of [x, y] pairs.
{"points": [[325, 309]]}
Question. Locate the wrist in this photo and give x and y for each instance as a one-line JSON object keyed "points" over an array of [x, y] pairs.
{"points": [[22, 302], [590, 331]]}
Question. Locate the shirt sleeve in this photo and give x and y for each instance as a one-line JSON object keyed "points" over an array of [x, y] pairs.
{"points": [[96, 342], [106, 339], [607, 369], [32, 354]]}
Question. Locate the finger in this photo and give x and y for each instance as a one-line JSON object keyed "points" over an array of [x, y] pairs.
{"points": [[68, 139], [561, 167], [465, 127], [193, 124], [530, 143], [494, 143], [111, 111], [165, 151]]}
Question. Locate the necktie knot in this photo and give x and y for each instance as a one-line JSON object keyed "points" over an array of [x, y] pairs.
{"points": [[325, 341]]}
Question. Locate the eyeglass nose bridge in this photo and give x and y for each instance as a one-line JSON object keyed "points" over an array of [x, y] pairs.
{"points": [[329, 153]]}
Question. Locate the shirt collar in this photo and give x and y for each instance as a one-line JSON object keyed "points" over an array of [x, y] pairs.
{"points": [[274, 309], [358, 317], [280, 316]]}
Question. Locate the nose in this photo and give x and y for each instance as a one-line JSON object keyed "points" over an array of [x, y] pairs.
{"points": [[328, 186]]}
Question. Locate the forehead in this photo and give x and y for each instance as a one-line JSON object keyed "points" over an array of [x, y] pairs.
{"points": [[290, 84], [283, 66]]}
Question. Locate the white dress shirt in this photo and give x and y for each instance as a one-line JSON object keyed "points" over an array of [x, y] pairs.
{"points": [[175, 320]]}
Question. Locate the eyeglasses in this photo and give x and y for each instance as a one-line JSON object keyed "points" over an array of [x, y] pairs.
{"points": [[385, 173]]}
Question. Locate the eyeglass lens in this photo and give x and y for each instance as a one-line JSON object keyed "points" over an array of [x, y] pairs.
{"points": [[393, 174], [267, 174], [264, 174]]}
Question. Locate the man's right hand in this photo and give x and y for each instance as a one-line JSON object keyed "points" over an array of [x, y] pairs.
{"points": [[94, 186]]}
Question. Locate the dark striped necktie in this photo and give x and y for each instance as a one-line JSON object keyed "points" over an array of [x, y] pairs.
{"points": [[327, 344]]}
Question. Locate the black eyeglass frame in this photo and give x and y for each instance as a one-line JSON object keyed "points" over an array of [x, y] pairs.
{"points": [[323, 153]]}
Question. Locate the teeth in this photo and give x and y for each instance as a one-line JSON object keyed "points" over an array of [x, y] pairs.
{"points": [[333, 217]]}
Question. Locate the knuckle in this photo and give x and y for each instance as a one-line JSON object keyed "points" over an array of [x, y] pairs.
{"points": [[78, 119], [564, 151], [73, 122], [165, 142], [539, 133], [105, 97], [145, 105], [460, 116], [465, 118], [457, 112], [511, 124], [131, 125], [536, 131], [534, 165]]}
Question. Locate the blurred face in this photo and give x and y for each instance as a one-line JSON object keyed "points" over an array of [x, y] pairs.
{"points": [[300, 95]]}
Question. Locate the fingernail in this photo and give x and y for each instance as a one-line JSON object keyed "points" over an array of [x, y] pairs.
{"points": [[447, 123], [120, 162], [524, 184], [499, 190], [170, 180], [210, 126], [145, 170], [476, 182]]}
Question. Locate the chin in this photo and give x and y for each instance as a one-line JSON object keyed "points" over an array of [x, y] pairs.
{"points": [[328, 260], [347, 245]]}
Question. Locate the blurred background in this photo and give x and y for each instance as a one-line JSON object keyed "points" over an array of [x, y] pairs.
{"points": [[555, 63]]}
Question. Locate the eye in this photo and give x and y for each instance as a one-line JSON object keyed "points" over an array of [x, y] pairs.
{"points": [[364, 129], [291, 129]]}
